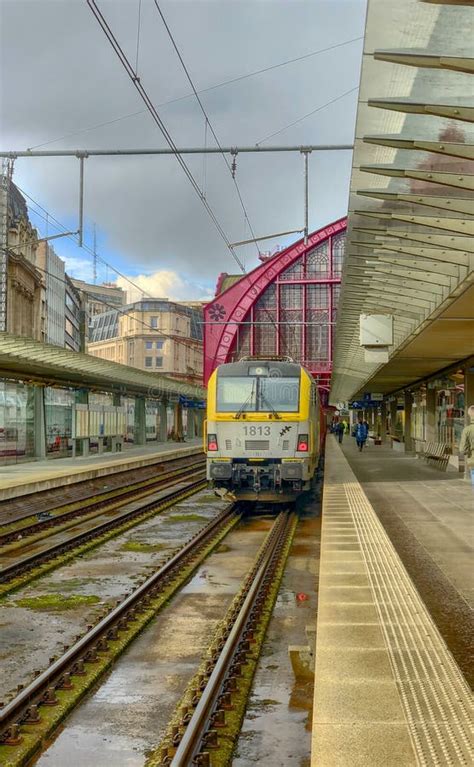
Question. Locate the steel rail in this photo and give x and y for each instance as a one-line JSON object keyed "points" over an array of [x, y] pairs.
{"points": [[85, 648], [118, 495], [200, 721], [70, 490], [27, 563]]}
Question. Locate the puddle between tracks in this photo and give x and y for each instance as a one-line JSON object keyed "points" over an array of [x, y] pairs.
{"points": [[277, 725]]}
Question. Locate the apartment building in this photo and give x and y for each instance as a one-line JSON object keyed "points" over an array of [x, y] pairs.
{"points": [[152, 334]]}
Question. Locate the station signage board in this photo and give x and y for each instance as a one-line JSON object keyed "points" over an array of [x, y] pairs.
{"points": [[191, 403]]}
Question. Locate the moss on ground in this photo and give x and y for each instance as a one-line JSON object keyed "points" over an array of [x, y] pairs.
{"points": [[62, 559], [223, 549], [187, 518], [143, 547], [56, 602], [34, 736]]}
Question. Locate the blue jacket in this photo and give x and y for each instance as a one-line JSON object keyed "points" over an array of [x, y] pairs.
{"points": [[361, 432]]}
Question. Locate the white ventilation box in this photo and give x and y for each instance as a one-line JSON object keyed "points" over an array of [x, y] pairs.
{"points": [[376, 330]]}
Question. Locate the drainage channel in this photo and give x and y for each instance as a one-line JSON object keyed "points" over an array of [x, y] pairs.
{"points": [[37, 710]]}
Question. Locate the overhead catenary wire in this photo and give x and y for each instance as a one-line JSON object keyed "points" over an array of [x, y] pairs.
{"points": [[159, 122], [309, 114], [216, 139], [139, 20], [208, 122], [123, 311], [48, 217], [232, 80]]}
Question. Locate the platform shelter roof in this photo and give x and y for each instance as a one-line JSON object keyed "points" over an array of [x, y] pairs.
{"points": [[28, 360], [409, 248]]}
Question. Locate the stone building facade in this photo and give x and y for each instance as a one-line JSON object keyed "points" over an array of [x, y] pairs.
{"points": [[25, 304], [153, 334]]}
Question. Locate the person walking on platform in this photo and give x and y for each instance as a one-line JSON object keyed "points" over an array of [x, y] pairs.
{"points": [[362, 431], [466, 445], [340, 431]]}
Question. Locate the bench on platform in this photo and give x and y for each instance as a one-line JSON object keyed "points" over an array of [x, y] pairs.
{"points": [[437, 453]]}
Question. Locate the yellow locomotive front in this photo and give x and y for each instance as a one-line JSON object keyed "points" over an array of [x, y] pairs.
{"points": [[262, 430]]}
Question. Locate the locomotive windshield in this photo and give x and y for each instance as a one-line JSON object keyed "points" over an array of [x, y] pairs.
{"points": [[256, 394]]}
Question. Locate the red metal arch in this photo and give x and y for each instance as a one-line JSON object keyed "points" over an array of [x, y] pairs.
{"points": [[234, 304]]}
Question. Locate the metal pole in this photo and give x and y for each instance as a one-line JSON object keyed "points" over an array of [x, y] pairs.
{"points": [[232, 150], [306, 152], [266, 237], [81, 198]]}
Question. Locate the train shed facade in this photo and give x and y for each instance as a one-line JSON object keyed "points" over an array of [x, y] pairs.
{"points": [[285, 306]]}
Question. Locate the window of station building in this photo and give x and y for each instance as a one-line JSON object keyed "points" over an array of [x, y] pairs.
{"points": [[148, 362], [317, 262], [148, 344], [152, 417], [58, 406], [338, 251], [154, 322], [449, 408], [16, 422], [160, 344], [158, 362], [294, 272], [418, 415]]}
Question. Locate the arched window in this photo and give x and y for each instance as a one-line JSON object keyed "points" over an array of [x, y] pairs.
{"points": [[317, 262], [294, 272], [338, 251]]}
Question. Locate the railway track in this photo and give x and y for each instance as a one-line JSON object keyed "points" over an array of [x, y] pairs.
{"points": [[134, 512], [208, 718], [25, 721], [25, 523]]}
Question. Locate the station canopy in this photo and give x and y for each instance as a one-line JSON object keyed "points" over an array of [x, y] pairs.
{"points": [[31, 361], [410, 247]]}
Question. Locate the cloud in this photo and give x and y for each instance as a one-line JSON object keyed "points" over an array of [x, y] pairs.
{"points": [[144, 207], [79, 268], [165, 284]]}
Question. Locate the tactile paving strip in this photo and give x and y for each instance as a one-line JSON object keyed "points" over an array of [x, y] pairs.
{"points": [[435, 697]]}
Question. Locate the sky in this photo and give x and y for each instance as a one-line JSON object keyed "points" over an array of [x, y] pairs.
{"points": [[62, 77]]}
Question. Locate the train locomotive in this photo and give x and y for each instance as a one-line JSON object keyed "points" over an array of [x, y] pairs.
{"points": [[262, 435]]}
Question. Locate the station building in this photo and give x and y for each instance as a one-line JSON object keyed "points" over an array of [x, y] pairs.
{"points": [[152, 334], [57, 403]]}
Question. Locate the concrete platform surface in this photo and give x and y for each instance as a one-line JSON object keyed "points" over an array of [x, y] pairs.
{"points": [[34, 476], [387, 689]]}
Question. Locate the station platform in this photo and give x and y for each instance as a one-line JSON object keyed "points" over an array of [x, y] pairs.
{"points": [[35, 476], [388, 690]]}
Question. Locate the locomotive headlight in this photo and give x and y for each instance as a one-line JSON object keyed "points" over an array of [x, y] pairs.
{"points": [[212, 443], [303, 443]]}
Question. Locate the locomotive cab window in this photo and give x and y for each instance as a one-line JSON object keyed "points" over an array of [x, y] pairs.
{"points": [[233, 393], [252, 394]]}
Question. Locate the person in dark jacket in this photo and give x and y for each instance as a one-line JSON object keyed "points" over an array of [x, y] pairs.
{"points": [[362, 432], [340, 431]]}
